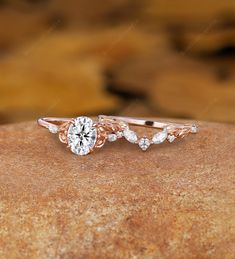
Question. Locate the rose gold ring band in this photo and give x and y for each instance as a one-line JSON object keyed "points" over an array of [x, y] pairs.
{"points": [[83, 134]]}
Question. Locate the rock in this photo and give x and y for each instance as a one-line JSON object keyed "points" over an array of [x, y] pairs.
{"points": [[172, 201]]}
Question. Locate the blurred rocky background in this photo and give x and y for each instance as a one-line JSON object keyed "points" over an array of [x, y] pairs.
{"points": [[159, 58]]}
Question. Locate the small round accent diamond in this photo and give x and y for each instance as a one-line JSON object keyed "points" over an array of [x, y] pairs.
{"points": [[82, 136], [194, 129], [144, 143], [171, 138], [119, 134], [112, 137]]}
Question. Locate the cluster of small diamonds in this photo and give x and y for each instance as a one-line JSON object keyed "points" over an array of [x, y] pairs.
{"points": [[143, 142]]}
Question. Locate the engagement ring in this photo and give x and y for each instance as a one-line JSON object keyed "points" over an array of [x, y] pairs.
{"points": [[82, 134]]}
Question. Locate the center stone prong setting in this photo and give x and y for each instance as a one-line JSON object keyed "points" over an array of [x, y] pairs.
{"points": [[82, 135]]}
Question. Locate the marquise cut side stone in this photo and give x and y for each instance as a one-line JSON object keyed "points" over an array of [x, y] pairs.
{"points": [[53, 129], [130, 136], [159, 137]]}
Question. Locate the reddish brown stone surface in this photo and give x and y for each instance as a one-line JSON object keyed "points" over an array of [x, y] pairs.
{"points": [[173, 201]]}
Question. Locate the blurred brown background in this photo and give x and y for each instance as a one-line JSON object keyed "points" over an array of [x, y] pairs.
{"points": [[159, 58]]}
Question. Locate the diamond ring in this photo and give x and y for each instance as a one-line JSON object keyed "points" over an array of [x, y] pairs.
{"points": [[82, 134]]}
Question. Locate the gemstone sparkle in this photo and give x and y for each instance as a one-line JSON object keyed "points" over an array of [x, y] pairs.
{"points": [[194, 129], [159, 137], [112, 137], [130, 136], [53, 129], [82, 136], [144, 143], [171, 138]]}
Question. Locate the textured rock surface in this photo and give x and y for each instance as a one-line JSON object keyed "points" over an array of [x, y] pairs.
{"points": [[173, 201]]}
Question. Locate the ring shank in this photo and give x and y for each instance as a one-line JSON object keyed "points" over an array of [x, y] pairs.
{"points": [[52, 121], [144, 123]]}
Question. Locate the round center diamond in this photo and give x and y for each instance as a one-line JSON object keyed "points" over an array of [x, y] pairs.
{"points": [[82, 136]]}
